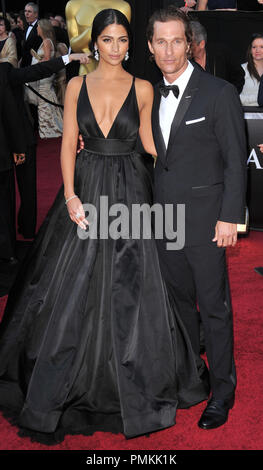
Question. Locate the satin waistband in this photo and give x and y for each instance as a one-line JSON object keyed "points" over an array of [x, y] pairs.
{"points": [[109, 146]]}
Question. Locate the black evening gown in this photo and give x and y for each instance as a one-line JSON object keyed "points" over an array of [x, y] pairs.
{"points": [[89, 340]]}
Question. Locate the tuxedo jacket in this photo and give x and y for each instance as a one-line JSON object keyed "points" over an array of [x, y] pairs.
{"points": [[16, 79], [204, 165], [32, 42], [11, 135]]}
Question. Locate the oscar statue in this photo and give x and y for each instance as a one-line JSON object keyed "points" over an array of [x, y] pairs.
{"points": [[80, 15]]}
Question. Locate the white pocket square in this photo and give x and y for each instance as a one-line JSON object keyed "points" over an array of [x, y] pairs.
{"points": [[195, 120]]}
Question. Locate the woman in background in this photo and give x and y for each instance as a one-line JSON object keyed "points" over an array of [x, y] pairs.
{"points": [[50, 118], [8, 51], [253, 69], [21, 21]]}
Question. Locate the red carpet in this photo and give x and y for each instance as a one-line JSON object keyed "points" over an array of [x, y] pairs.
{"points": [[244, 429]]}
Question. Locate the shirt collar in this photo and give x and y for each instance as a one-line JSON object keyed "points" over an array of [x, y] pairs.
{"points": [[33, 24]]}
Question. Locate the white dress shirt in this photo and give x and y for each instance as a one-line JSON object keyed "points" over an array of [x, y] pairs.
{"points": [[169, 105], [30, 27]]}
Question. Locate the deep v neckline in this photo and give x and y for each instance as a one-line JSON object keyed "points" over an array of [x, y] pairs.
{"points": [[115, 119]]}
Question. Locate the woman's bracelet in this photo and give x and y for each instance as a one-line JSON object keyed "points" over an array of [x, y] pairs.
{"points": [[69, 199]]}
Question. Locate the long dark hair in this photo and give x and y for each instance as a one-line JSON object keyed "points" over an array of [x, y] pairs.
{"points": [[105, 18], [250, 61]]}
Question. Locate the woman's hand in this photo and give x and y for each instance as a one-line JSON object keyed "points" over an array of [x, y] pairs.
{"points": [[76, 212]]}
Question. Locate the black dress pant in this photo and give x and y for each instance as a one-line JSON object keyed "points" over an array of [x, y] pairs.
{"points": [[26, 180], [7, 214], [198, 275]]}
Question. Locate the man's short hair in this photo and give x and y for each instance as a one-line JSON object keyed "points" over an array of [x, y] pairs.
{"points": [[199, 32], [33, 5], [171, 13]]}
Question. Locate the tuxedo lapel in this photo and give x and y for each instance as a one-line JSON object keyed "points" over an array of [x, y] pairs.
{"points": [[32, 32], [184, 104], [157, 133]]}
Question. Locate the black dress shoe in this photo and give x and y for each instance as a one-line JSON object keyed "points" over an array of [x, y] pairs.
{"points": [[259, 270], [216, 413]]}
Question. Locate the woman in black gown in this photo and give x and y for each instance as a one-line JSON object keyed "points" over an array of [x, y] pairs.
{"points": [[89, 340]]}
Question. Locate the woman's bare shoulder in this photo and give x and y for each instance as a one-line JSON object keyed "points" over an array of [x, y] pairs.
{"points": [[143, 85], [74, 85], [144, 91]]}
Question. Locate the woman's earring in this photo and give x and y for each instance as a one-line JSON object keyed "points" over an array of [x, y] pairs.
{"points": [[96, 54], [126, 56]]}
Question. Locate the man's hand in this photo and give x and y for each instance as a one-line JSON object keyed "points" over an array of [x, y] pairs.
{"points": [[83, 58], [19, 158], [225, 234]]}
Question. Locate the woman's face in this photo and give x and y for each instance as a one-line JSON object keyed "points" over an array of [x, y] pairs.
{"points": [[20, 23], [257, 49], [2, 28], [113, 43]]}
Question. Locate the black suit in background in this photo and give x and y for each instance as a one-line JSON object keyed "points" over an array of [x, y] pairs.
{"points": [[204, 168], [26, 173], [221, 63], [32, 42], [260, 92], [11, 140]]}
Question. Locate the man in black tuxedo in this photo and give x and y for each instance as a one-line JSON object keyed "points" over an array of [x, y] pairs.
{"points": [[199, 134], [11, 141], [32, 40], [26, 173]]}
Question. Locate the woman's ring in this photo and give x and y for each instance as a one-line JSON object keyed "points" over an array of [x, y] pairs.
{"points": [[78, 215]]}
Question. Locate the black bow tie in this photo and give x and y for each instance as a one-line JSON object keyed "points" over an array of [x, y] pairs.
{"points": [[165, 90]]}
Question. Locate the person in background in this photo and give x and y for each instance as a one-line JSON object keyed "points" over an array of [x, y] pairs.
{"points": [[8, 52], [18, 33], [50, 118], [215, 58], [253, 69], [32, 40], [184, 5], [216, 5], [11, 141], [26, 173], [61, 21], [21, 21]]}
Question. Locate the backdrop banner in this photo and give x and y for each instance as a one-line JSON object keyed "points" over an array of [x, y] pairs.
{"points": [[254, 124]]}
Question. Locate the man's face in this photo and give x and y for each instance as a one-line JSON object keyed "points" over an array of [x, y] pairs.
{"points": [[170, 47], [197, 49], [30, 15]]}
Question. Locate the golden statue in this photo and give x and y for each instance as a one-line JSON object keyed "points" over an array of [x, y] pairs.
{"points": [[80, 15]]}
